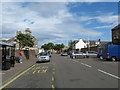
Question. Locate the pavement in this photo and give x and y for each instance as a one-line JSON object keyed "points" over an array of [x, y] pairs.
{"points": [[18, 68], [64, 72]]}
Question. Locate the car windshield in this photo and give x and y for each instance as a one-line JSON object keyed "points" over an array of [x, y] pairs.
{"points": [[44, 54], [64, 53], [77, 52], [92, 52]]}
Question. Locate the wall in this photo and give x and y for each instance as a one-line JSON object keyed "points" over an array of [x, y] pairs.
{"points": [[26, 54]]}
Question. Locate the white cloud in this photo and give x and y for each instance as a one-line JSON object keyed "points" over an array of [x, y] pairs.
{"points": [[52, 21], [59, 0], [106, 26], [109, 18]]}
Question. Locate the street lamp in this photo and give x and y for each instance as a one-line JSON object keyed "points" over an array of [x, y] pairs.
{"points": [[88, 44]]}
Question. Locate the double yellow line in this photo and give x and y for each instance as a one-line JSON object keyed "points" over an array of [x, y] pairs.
{"points": [[3, 86]]}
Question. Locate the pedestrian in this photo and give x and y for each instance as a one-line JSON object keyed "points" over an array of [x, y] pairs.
{"points": [[20, 55]]}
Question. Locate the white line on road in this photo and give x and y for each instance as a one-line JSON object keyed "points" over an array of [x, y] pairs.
{"points": [[75, 61], [86, 65], [108, 74]]}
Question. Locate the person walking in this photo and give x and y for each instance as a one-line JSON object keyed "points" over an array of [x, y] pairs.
{"points": [[20, 55]]}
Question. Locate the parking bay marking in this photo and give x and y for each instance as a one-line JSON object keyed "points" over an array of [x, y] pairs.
{"points": [[108, 74]]}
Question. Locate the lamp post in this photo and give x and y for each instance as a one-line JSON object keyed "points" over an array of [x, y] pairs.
{"points": [[88, 45]]}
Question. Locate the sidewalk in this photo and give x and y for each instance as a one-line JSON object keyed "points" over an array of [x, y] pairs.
{"points": [[18, 68]]}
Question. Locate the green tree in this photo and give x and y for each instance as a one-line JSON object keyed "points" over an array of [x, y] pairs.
{"points": [[51, 45], [70, 44], [45, 46], [58, 46], [25, 40], [48, 46]]}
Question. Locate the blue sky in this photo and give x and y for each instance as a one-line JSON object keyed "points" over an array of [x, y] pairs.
{"points": [[59, 22]]}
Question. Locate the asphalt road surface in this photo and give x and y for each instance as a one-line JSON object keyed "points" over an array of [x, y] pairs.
{"points": [[64, 72]]}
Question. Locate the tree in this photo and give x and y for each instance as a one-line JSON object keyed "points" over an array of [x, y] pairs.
{"points": [[45, 46], [58, 46], [70, 44], [48, 46], [25, 40]]}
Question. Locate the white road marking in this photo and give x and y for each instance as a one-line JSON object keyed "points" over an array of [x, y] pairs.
{"points": [[75, 61], [108, 74], [86, 65]]}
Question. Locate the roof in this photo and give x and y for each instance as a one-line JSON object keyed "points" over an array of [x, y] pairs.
{"points": [[116, 27], [7, 44], [12, 39], [92, 42]]}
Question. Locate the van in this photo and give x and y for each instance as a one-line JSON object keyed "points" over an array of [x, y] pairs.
{"points": [[111, 52]]}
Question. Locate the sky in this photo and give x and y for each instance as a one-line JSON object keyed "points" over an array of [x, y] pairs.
{"points": [[59, 22]]}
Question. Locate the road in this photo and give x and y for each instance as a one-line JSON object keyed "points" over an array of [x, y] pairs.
{"points": [[63, 72]]}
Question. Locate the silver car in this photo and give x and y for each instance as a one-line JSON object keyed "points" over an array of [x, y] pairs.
{"points": [[91, 53], [77, 54], [43, 57]]}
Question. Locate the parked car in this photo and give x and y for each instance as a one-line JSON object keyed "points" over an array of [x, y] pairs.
{"points": [[91, 53], [111, 52], [43, 57], [64, 54], [77, 54], [49, 54]]}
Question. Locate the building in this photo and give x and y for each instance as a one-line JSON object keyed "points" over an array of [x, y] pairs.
{"points": [[85, 44], [116, 35], [89, 45], [79, 44], [27, 31]]}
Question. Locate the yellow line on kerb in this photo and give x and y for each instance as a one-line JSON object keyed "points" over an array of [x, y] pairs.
{"points": [[3, 86]]}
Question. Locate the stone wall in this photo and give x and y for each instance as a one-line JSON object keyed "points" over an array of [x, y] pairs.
{"points": [[27, 54]]}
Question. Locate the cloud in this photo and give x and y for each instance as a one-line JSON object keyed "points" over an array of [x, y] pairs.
{"points": [[109, 19], [47, 21], [59, 0], [106, 26]]}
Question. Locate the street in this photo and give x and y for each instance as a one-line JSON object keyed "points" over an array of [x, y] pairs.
{"points": [[64, 72]]}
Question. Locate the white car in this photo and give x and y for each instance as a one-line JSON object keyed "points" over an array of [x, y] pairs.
{"points": [[42, 57]]}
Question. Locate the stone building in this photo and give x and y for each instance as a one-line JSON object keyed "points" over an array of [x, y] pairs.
{"points": [[116, 35], [27, 31]]}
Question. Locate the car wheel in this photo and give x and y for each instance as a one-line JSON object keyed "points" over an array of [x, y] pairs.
{"points": [[73, 57], [101, 57], [113, 59]]}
